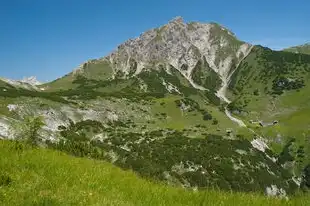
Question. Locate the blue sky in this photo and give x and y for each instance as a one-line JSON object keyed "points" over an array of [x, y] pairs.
{"points": [[49, 38]]}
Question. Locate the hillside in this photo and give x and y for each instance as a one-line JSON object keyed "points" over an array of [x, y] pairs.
{"points": [[45, 177], [186, 103], [302, 49], [276, 90]]}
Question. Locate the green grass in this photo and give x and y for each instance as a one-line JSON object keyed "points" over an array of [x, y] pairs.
{"points": [[62, 83], [45, 177], [98, 70], [4, 102], [291, 109], [94, 70], [178, 120], [2, 83]]}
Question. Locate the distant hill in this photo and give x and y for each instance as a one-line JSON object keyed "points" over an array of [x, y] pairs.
{"points": [[303, 49]]}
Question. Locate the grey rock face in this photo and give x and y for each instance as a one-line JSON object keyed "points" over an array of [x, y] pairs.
{"points": [[181, 44]]}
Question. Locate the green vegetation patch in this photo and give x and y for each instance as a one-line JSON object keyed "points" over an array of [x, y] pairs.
{"points": [[46, 177]]}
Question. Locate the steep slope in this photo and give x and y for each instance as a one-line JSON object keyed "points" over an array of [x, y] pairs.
{"points": [[209, 162], [2, 83], [182, 46], [177, 44], [43, 177], [31, 80], [302, 49], [270, 92], [205, 54], [92, 69]]}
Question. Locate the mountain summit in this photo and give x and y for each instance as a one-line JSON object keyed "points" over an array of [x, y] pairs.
{"points": [[181, 45], [31, 80], [26, 82]]}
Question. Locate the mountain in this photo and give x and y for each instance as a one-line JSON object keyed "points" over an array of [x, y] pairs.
{"points": [[31, 80], [303, 49], [185, 103], [177, 44], [182, 46], [26, 82]]}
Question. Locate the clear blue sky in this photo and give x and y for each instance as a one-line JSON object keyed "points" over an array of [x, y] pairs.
{"points": [[49, 38]]}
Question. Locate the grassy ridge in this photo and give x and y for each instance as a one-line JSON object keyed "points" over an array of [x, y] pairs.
{"points": [[304, 49], [45, 177]]}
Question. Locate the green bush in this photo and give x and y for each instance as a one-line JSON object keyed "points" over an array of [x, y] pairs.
{"points": [[28, 130], [5, 180], [160, 150], [256, 92], [215, 122], [306, 178], [281, 83], [207, 116]]}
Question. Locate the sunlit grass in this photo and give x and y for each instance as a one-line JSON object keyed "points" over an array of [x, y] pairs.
{"points": [[46, 177]]}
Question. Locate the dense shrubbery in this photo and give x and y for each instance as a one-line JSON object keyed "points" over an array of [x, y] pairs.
{"points": [[263, 65], [306, 178], [285, 155], [215, 100], [87, 89], [5, 179], [86, 94], [205, 163], [80, 130], [205, 76], [280, 83], [207, 116], [78, 148], [193, 106], [16, 93], [154, 80], [234, 106]]}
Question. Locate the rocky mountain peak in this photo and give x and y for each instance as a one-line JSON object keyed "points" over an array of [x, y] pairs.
{"points": [[181, 45], [177, 20], [31, 80], [27, 82]]}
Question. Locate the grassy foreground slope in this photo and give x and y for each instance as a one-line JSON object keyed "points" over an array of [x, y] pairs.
{"points": [[31, 176]]}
